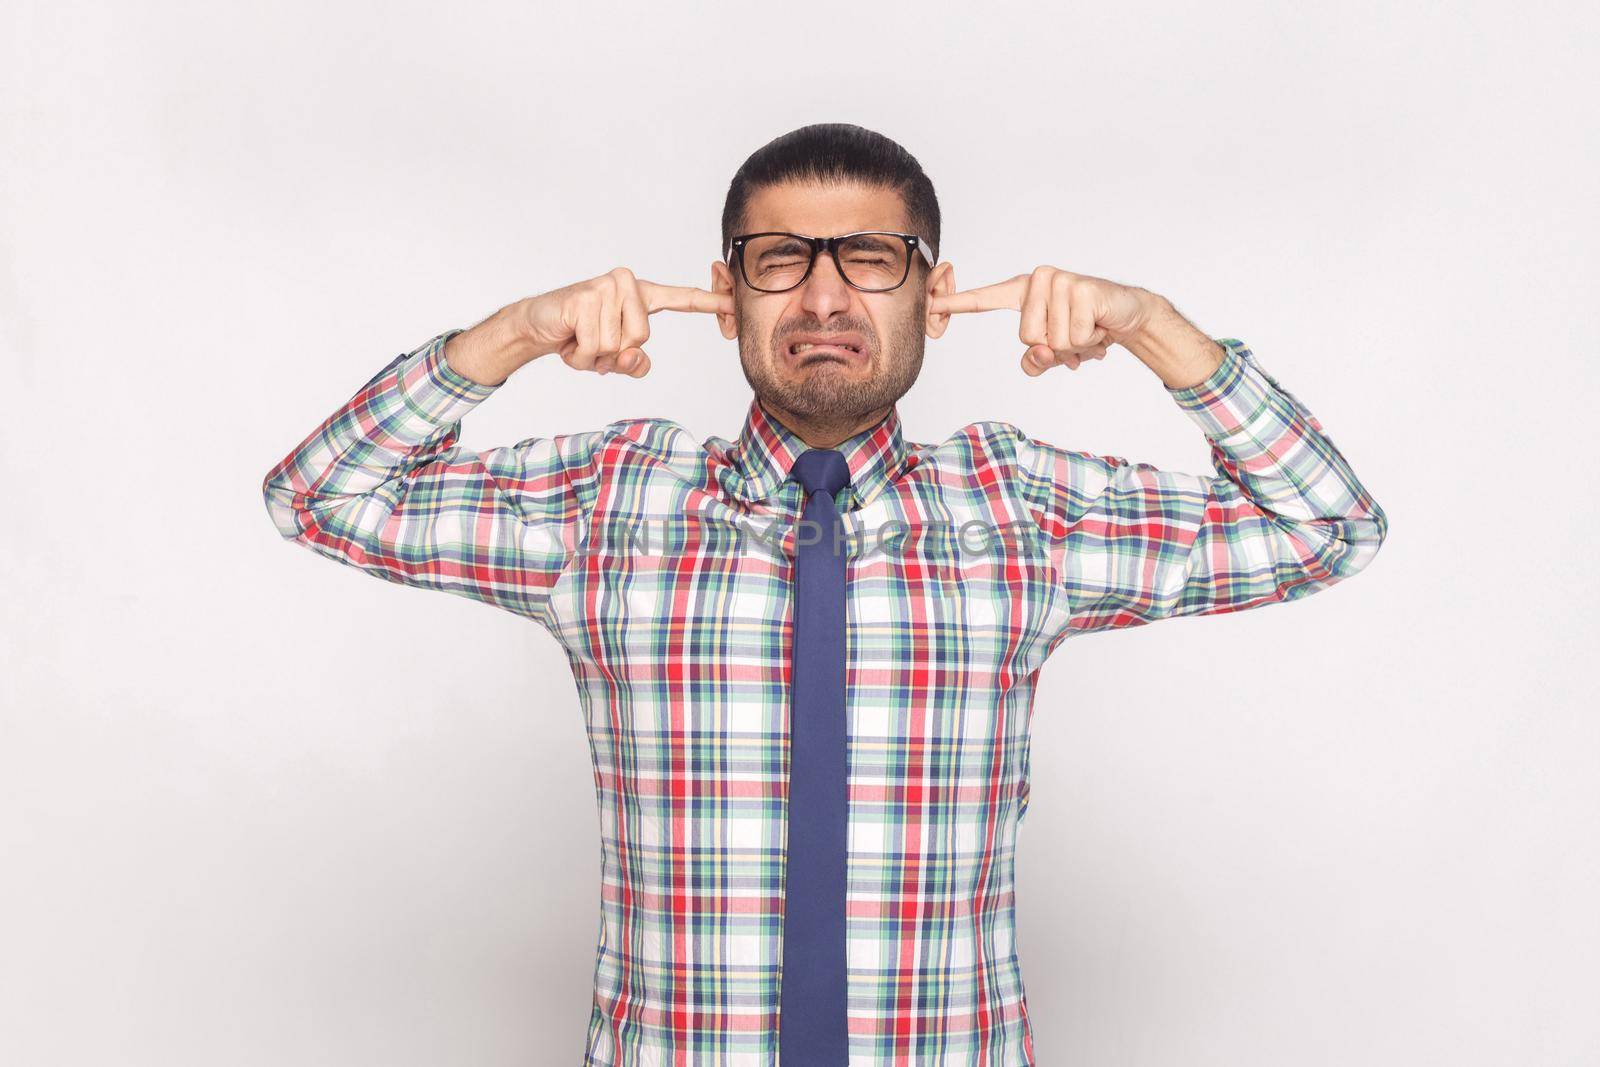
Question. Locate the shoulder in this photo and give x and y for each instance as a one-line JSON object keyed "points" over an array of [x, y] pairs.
{"points": [[646, 434], [1039, 469], [978, 445], [650, 441]]}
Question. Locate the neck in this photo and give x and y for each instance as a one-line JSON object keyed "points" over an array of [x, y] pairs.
{"points": [[822, 433]]}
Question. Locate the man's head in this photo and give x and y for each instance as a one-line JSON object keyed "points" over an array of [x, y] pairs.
{"points": [[822, 181]]}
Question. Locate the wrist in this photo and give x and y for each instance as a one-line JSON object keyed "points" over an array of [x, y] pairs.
{"points": [[494, 349], [1153, 307], [1172, 347]]}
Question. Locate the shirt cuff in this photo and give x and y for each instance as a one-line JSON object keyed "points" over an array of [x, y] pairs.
{"points": [[1234, 399], [435, 390]]}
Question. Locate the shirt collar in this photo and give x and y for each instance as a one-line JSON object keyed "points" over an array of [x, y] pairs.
{"points": [[767, 449]]}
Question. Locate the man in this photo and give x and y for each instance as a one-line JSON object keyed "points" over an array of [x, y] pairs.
{"points": [[807, 657]]}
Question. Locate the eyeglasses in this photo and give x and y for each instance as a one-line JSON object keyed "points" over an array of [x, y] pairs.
{"points": [[874, 261]]}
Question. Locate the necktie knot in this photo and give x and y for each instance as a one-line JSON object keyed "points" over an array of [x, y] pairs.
{"points": [[821, 470]]}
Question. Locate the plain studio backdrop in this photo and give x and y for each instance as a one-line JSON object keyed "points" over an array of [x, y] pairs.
{"points": [[260, 809]]}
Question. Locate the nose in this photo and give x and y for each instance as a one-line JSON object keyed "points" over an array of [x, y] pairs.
{"points": [[826, 291]]}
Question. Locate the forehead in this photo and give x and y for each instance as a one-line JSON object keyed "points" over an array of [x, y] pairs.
{"points": [[819, 210]]}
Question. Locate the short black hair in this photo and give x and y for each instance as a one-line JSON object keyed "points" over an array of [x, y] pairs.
{"points": [[835, 152]]}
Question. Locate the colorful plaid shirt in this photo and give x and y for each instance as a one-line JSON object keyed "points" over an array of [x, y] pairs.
{"points": [[663, 565]]}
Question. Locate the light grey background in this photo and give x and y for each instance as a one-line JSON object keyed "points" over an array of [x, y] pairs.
{"points": [[258, 809]]}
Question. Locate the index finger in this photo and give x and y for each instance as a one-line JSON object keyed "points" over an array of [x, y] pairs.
{"points": [[1006, 294], [684, 298]]}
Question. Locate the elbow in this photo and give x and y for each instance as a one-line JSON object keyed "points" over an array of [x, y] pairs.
{"points": [[1372, 525], [280, 503], [1380, 524], [1363, 534]]}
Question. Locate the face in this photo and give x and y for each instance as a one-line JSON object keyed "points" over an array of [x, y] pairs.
{"points": [[827, 393]]}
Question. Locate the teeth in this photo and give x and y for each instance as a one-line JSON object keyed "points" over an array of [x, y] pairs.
{"points": [[803, 345]]}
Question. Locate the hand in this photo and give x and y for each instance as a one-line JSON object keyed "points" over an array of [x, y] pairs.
{"points": [[600, 324], [1066, 317]]}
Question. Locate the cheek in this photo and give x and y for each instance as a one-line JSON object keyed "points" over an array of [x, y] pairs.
{"points": [[755, 332]]}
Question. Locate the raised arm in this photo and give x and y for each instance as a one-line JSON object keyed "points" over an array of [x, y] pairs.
{"points": [[1283, 517], [382, 485]]}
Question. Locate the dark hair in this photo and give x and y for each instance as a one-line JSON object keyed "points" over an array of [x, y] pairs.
{"points": [[831, 152]]}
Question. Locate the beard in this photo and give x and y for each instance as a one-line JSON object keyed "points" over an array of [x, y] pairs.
{"points": [[825, 393]]}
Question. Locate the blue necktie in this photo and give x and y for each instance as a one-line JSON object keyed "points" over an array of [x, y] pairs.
{"points": [[811, 1024]]}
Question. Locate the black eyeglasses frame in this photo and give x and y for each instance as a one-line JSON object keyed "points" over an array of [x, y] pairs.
{"points": [[831, 245]]}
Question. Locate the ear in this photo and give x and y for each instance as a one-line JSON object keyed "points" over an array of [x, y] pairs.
{"points": [[941, 282], [722, 282]]}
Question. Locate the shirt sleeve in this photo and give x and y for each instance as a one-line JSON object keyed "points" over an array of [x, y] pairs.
{"points": [[383, 486], [1283, 517]]}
